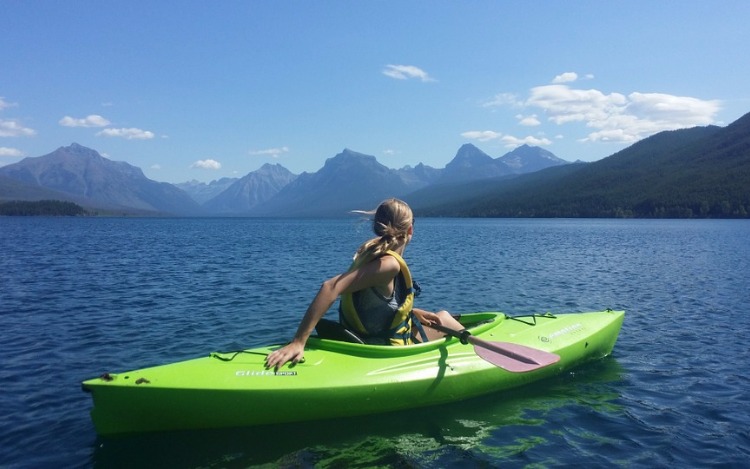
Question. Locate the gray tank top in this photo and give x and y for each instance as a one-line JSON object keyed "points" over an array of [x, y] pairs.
{"points": [[375, 310]]}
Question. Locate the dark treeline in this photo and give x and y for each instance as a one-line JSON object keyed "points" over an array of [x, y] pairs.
{"points": [[55, 208]]}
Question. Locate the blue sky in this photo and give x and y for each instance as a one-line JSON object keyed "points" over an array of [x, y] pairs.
{"points": [[202, 90]]}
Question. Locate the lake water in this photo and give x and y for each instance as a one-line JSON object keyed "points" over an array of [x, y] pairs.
{"points": [[81, 296]]}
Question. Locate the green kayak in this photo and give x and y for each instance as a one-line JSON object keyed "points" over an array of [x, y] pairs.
{"points": [[341, 379]]}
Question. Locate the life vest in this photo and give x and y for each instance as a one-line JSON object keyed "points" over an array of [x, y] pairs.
{"points": [[399, 332]]}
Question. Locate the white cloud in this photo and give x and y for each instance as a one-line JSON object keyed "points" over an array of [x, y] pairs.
{"points": [[206, 164], [481, 135], [612, 135], [93, 120], [528, 121], [613, 117], [619, 118], [274, 152], [509, 140], [130, 134], [405, 72], [513, 142], [12, 128], [566, 77], [11, 152], [669, 108], [564, 104], [156, 166]]}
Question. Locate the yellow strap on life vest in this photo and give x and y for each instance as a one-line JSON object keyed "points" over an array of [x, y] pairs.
{"points": [[402, 314]]}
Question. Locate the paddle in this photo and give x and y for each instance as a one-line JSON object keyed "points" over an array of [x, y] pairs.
{"points": [[508, 356]]}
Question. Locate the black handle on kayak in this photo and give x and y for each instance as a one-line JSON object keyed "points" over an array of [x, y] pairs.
{"points": [[462, 335]]}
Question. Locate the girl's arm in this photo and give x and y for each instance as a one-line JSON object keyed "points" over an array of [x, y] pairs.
{"points": [[379, 271]]}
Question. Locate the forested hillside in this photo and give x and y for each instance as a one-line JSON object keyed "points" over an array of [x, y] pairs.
{"points": [[703, 172]]}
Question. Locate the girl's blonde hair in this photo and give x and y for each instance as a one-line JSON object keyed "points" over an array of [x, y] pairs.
{"points": [[391, 222]]}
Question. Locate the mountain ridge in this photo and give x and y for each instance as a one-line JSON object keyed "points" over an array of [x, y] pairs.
{"points": [[697, 172], [87, 178], [347, 181], [250, 191]]}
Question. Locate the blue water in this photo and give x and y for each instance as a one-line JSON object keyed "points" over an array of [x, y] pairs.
{"points": [[81, 296]]}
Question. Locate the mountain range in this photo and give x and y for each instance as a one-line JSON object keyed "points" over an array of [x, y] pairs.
{"points": [[347, 181], [697, 172]]}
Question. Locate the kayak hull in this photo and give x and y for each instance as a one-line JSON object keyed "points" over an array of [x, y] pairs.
{"points": [[339, 379]]}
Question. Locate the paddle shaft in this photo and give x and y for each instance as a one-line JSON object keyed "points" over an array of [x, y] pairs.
{"points": [[466, 337]]}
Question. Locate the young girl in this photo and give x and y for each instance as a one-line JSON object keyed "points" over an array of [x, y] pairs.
{"points": [[376, 293]]}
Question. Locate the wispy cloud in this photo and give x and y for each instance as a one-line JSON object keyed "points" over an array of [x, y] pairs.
{"points": [[613, 117], [406, 72], [482, 135], [10, 152], [569, 77], [5, 104], [127, 133], [504, 100], [13, 128], [93, 120], [565, 77], [508, 141], [528, 121], [512, 142], [274, 152], [206, 164]]}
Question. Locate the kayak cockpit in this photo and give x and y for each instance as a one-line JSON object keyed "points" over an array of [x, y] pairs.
{"points": [[334, 330], [329, 331]]}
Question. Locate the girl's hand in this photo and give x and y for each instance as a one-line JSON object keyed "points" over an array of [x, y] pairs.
{"points": [[426, 317], [292, 352]]}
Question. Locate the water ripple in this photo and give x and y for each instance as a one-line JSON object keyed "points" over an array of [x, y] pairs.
{"points": [[83, 296]]}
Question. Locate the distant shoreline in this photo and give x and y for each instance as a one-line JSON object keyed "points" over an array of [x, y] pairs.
{"points": [[60, 208]]}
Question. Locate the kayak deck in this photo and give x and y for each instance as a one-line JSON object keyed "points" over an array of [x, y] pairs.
{"points": [[340, 379]]}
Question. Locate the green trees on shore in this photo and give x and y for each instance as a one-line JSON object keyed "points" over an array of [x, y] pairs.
{"points": [[53, 208]]}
